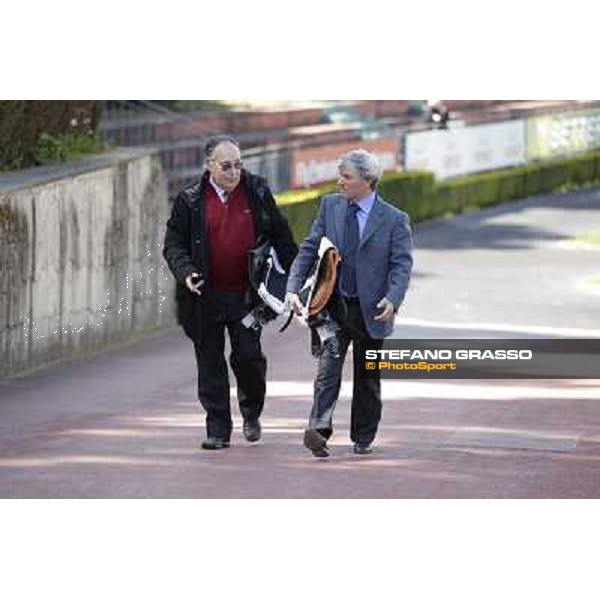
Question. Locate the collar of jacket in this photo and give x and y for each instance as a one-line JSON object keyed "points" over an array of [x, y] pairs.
{"points": [[256, 188]]}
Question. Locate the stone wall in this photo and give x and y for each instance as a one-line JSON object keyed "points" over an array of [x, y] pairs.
{"points": [[80, 257]]}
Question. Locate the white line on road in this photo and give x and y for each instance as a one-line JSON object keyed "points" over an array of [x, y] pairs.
{"points": [[502, 327]]}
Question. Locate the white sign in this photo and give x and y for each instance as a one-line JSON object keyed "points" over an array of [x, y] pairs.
{"points": [[451, 152]]}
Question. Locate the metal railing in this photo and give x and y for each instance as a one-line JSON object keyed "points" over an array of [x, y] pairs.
{"points": [[268, 153], [137, 123]]}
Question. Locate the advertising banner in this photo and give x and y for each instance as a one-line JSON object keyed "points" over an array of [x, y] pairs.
{"points": [[452, 152], [311, 166], [561, 134]]}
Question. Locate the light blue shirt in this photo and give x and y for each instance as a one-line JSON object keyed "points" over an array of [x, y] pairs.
{"points": [[365, 205]]}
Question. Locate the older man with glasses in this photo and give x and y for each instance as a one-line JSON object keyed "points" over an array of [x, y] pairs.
{"points": [[214, 224]]}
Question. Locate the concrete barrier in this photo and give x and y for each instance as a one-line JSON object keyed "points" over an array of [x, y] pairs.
{"points": [[80, 257]]}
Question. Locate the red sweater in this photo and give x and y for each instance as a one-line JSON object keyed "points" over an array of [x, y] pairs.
{"points": [[230, 236]]}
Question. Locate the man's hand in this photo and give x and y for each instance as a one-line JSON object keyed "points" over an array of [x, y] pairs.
{"points": [[194, 283], [294, 302], [387, 312]]}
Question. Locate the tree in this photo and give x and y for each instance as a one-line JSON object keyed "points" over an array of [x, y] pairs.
{"points": [[26, 125]]}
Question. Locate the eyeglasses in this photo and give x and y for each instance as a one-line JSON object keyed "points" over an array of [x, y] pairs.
{"points": [[227, 166]]}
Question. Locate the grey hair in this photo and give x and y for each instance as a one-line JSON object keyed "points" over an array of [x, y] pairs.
{"points": [[366, 164], [214, 141]]}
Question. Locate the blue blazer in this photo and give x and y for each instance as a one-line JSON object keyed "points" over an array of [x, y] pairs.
{"points": [[384, 261]]}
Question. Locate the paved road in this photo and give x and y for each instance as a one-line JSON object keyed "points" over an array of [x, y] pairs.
{"points": [[513, 264], [126, 424]]}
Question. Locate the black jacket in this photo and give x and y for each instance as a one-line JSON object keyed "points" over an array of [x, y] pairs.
{"points": [[186, 240]]}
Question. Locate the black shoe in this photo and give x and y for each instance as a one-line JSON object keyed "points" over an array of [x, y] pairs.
{"points": [[252, 430], [316, 443], [363, 448], [214, 443]]}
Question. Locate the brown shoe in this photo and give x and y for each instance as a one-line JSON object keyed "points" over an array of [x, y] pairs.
{"points": [[316, 443]]}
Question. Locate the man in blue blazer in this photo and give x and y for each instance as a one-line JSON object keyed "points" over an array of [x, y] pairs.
{"points": [[374, 239]]}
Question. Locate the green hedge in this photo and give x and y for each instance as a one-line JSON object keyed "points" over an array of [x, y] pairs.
{"points": [[410, 191], [418, 194]]}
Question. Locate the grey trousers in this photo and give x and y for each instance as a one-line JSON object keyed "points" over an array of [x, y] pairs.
{"points": [[366, 393]]}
